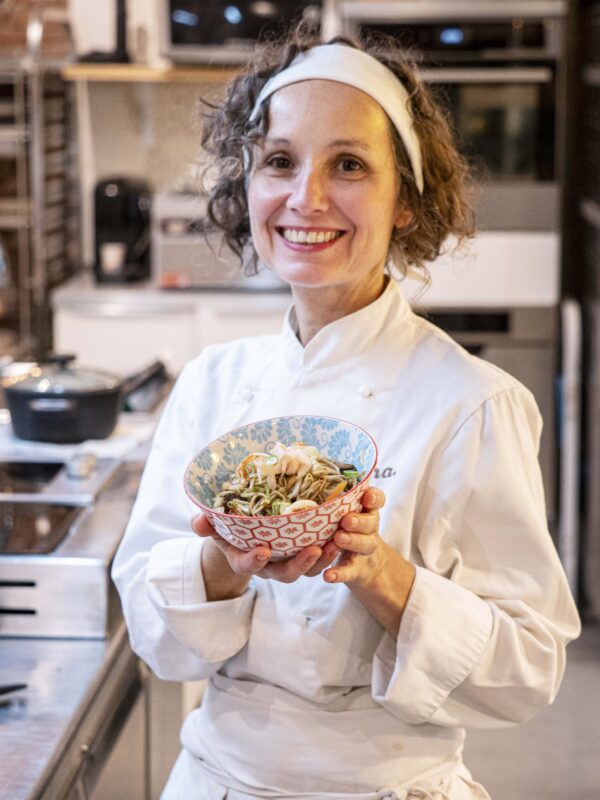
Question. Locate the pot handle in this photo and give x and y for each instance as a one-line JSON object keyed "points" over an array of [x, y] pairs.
{"points": [[51, 404], [62, 360]]}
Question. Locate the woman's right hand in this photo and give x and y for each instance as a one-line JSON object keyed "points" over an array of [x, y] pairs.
{"points": [[227, 570]]}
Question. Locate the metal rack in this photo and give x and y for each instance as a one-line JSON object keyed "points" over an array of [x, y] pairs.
{"points": [[39, 202]]}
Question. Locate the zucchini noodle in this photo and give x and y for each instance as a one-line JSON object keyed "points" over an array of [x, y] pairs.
{"points": [[283, 481]]}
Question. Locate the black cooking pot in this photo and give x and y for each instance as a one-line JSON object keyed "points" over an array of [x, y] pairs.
{"points": [[57, 403]]}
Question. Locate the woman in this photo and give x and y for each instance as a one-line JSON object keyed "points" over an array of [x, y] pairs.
{"points": [[349, 671]]}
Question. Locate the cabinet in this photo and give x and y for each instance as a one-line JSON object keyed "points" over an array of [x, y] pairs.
{"points": [[122, 328], [224, 318], [123, 340]]}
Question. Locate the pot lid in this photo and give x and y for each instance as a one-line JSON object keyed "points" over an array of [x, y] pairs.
{"points": [[59, 377]]}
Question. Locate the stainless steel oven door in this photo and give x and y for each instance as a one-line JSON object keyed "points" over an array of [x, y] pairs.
{"points": [[504, 122]]}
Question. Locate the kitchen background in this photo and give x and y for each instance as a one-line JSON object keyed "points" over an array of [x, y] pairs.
{"points": [[105, 254]]}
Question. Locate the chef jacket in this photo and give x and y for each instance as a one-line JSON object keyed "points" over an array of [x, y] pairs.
{"points": [[307, 694]]}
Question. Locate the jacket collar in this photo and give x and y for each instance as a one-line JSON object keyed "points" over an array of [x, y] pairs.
{"points": [[347, 337]]}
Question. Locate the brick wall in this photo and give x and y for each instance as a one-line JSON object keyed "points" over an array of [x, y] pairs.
{"points": [[14, 15]]}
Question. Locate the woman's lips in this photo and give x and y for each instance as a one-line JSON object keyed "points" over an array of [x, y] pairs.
{"points": [[309, 239]]}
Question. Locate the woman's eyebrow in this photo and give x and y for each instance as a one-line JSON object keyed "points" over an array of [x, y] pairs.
{"points": [[276, 140], [281, 140], [350, 143]]}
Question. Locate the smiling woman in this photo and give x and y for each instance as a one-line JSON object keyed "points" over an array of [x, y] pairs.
{"points": [[323, 194], [349, 670], [233, 130]]}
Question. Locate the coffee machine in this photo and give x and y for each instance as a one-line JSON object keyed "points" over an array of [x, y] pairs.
{"points": [[122, 230]]}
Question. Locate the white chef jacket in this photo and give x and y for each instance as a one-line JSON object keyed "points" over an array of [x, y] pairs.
{"points": [[308, 695]]}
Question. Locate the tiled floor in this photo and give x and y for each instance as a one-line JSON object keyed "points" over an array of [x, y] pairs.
{"points": [[556, 755]]}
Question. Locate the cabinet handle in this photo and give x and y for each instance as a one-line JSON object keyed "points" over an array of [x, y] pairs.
{"points": [[126, 310], [78, 789], [490, 75], [82, 792]]}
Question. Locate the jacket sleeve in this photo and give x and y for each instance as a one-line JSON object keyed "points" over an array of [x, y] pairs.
{"points": [[482, 639], [157, 566]]}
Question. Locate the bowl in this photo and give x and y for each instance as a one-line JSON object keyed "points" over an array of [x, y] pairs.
{"points": [[286, 534]]}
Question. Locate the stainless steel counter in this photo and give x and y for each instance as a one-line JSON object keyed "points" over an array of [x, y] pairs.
{"points": [[52, 731], [86, 698]]}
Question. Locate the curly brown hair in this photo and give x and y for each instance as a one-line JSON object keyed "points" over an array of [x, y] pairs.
{"points": [[443, 209]]}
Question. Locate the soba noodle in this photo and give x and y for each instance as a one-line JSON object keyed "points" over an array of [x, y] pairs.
{"points": [[287, 479]]}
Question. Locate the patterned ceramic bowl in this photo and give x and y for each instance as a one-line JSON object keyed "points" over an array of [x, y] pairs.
{"points": [[286, 534]]}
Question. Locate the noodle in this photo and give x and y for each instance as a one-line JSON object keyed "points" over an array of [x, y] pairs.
{"points": [[287, 479]]}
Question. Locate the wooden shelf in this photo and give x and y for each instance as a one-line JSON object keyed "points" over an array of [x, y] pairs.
{"points": [[138, 72]]}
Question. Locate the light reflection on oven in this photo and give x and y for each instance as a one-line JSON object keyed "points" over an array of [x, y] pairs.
{"points": [[34, 528]]}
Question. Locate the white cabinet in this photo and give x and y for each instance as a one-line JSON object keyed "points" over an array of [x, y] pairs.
{"points": [[124, 340], [124, 328], [223, 320]]}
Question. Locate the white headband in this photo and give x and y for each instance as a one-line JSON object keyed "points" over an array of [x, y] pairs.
{"points": [[345, 64]]}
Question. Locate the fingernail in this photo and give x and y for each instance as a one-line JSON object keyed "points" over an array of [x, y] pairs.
{"points": [[353, 522], [345, 538], [262, 557], [332, 577]]}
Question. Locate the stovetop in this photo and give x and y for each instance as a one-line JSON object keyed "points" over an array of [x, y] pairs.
{"points": [[60, 525], [75, 481], [26, 476]]}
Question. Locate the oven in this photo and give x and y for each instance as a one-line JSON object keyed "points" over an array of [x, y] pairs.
{"points": [[220, 32], [60, 526], [496, 67]]}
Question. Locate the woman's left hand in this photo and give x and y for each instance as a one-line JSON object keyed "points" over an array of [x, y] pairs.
{"points": [[377, 575], [363, 551]]}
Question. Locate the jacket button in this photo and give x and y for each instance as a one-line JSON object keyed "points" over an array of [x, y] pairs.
{"points": [[301, 621], [365, 391]]}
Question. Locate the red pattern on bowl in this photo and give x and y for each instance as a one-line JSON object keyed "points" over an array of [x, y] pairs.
{"points": [[289, 533], [286, 534]]}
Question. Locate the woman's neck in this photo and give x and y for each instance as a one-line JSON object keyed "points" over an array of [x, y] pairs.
{"points": [[316, 307]]}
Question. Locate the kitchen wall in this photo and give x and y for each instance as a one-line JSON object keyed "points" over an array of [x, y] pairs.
{"points": [[93, 26], [14, 15], [146, 130]]}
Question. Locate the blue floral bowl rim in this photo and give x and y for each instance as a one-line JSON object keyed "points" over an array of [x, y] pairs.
{"points": [[225, 436]]}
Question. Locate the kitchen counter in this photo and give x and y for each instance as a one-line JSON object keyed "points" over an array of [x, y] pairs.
{"points": [[121, 328], [83, 289], [84, 684], [49, 729], [514, 268]]}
